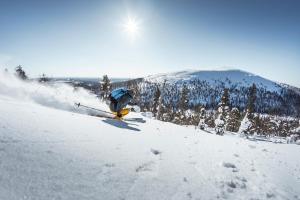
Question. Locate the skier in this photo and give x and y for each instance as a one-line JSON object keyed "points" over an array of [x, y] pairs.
{"points": [[119, 99]]}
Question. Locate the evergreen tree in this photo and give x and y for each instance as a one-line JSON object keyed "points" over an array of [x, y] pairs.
{"points": [[105, 87], [21, 73], [284, 128], [258, 125], [271, 126], [210, 119], [251, 101], [161, 107], [296, 131], [184, 102], [134, 87], [184, 99], [156, 100], [248, 124], [234, 120], [223, 113], [202, 117]]}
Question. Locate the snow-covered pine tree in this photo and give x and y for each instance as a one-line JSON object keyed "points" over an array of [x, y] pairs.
{"points": [[234, 120], [222, 113], [21, 73], [251, 101], [135, 88], [258, 124], [296, 134], [161, 106], [283, 128], [156, 100], [210, 119], [265, 125], [185, 97], [105, 87], [202, 117], [297, 130], [271, 126], [248, 124], [176, 117], [189, 116], [184, 102]]}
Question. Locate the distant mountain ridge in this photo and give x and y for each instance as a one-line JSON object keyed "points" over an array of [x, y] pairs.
{"points": [[234, 76], [205, 89]]}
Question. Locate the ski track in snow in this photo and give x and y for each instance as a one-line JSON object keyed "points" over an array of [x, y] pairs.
{"points": [[47, 153]]}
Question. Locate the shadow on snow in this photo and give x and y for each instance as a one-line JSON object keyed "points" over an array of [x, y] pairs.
{"points": [[121, 124]]}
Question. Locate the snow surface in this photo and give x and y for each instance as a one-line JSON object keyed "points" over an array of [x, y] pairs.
{"points": [[49, 152], [229, 77]]}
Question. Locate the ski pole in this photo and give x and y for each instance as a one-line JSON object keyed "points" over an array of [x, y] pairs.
{"points": [[79, 104]]}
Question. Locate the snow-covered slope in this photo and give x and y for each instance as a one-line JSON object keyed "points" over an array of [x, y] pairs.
{"points": [[229, 77], [48, 153]]}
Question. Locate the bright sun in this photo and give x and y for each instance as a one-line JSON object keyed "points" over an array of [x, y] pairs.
{"points": [[132, 27]]}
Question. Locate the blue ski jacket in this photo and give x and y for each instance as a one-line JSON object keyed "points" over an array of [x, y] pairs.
{"points": [[119, 98]]}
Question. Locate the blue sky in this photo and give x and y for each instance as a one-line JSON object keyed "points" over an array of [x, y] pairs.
{"points": [[87, 38]]}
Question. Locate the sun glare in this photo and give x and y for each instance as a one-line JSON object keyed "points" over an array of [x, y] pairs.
{"points": [[132, 27]]}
